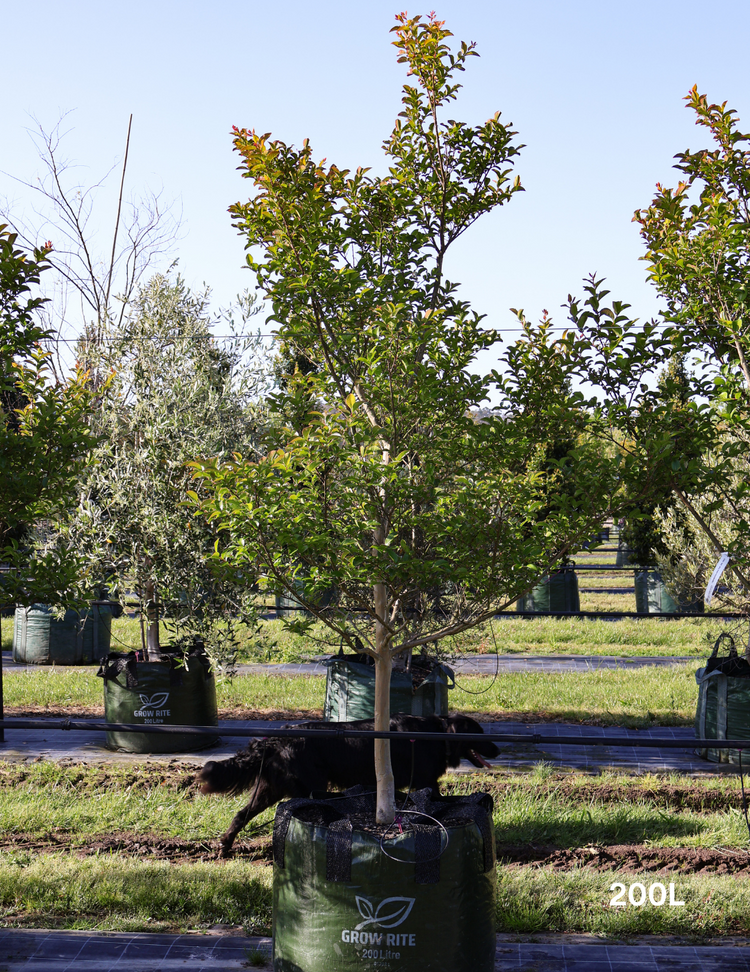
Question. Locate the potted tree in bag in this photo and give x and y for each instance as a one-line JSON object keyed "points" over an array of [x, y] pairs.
{"points": [[382, 483], [171, 391]]}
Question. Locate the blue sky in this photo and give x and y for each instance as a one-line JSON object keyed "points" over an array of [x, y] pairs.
{"points": [[594, 90]]}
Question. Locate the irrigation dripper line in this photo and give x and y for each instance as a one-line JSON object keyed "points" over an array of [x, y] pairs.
{"points": [[336, 731], [744, 798], [416, 813], [494, 677]]}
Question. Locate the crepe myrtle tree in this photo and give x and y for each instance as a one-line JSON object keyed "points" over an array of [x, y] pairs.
{"points": [[698, 253], [44, 436], [171, 392], [424, 517]]}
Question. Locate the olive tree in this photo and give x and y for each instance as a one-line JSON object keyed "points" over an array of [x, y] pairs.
{"points": [[166, 391]]}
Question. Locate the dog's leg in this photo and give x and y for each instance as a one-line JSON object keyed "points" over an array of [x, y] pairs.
{"points": [[263, 798]]}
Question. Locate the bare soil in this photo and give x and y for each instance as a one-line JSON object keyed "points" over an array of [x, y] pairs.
{"points": [[629, 857], [669, 796], [636, 858], [174, 776], [243, 712], [97, 712], [176, 850]]}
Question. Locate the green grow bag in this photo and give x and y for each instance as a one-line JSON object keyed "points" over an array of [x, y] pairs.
{"points": [[624, 555], [286, 603], [340, 904], [350, 689], [723, 710], [159, 693], [556, 592], [41, 639], [652, 596]]}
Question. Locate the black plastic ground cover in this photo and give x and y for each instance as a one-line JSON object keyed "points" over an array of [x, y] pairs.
{"points": [[526, 738]]}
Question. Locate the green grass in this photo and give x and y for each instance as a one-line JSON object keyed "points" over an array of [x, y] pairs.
{"points": [[543, 900], [120, 894], [82, 801], [574, 811], [636, 697], [534, 808], [114, 892], [539, 636]]}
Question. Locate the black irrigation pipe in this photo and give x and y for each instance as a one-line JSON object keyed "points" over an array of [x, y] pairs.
{"points": [[341, 733], [615, 614]]}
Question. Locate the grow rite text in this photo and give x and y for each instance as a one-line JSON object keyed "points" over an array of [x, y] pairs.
{"points": [[376, 938]]}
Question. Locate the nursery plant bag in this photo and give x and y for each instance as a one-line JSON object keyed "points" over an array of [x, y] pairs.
{"points": [[652, 596], [723, 710], [286, 603], [350, 689], [556, 592], [178, 691], [41, 639], [624, 555], [341, 904]]}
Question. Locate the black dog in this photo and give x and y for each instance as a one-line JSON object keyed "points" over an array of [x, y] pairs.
{"points": [[296, 767]]}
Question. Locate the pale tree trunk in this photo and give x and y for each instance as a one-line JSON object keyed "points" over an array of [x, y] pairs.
{"points": [[153, 624], [386, 790]]}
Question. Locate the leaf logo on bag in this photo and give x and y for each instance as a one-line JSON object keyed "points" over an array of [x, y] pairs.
{"points": [[390, 912], [155, 702]]}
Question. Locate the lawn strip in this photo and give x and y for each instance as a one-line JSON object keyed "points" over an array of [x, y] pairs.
{"points": [[637, 698], [534, 899], [68, 804], [134, 848], [543, 635], [116, 893]]}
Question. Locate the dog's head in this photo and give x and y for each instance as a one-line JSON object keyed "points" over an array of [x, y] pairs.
{"points": [[477, 753]]}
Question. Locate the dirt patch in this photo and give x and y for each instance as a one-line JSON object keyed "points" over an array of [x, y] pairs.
{"points": [[97, 712], [637, 858], [690, 797], [176, 850], [629, 857], [243, 713], [85, 779]]}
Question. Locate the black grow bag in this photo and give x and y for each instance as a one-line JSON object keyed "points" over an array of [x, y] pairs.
{"points": [[556, 592], [350, 688], [39, 638], [179, 690], [341, 904], [723, 710], [287, 604]]}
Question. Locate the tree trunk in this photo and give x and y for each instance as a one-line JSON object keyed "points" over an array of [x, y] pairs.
{"points": [[386, 790], [153, 624]]}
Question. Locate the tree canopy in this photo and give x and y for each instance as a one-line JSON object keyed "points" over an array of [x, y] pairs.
{"points": [[44, 436], [166, 391], [698, 252], [390, 481]]}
